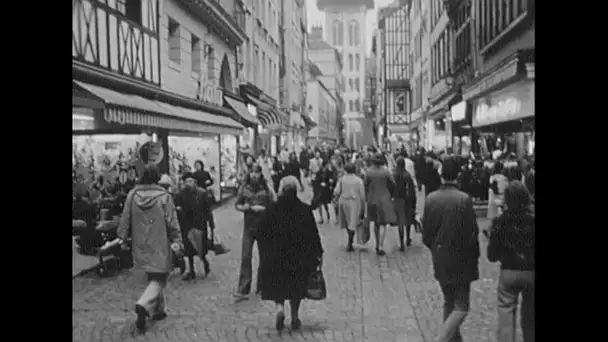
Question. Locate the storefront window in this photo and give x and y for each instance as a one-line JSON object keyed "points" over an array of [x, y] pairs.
{"points": [[186, 150], [104, 154], [529, 142], [229, 163]]}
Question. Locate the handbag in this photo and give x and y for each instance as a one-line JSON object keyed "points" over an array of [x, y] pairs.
{"points": [[316, 288], [216, 245], [195, 236], [363, 233]]}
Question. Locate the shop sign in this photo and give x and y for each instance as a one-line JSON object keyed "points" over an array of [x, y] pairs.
{"points": [[210, 94], [151, 152], [512, 103], [459, 111]]}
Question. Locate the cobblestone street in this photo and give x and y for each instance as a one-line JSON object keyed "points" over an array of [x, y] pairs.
{"points": [[370, 298]]}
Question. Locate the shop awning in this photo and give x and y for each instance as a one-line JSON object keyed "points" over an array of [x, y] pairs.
{"points": [[442, 107], [126, 109], [267, 114], [83, 98], [242, 111], [308, 120]]}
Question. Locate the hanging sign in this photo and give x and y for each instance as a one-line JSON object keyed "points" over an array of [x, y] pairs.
{"points": [[151, 152]]}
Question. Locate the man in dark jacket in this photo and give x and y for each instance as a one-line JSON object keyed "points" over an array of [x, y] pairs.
{"points": [[450, 231]]}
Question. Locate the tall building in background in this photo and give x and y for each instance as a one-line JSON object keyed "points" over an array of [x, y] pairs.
{"points": [[293, 36], [321, 108], [329, 62], [345, 30]]}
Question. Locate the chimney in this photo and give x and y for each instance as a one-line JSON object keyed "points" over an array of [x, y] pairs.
{"points": [[316, 33]]}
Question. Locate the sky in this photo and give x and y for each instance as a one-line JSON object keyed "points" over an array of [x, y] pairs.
{"points": [[316, 17]]}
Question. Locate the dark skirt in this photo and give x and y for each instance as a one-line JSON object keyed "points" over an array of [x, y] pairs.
{"points": [[321, 196], [280, 284]]}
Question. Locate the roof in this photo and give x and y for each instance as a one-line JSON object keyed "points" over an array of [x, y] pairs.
{"points": [[319, 45], [314, 69], [322, 4]]}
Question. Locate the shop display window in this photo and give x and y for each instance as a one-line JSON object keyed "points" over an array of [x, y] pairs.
{"points": [[104, 154], [187, 150]]}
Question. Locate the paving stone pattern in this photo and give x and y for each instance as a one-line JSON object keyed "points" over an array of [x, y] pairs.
{"points": [[370, 298]]}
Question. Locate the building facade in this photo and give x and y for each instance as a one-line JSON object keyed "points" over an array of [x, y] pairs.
{"points": [[199, 46], [419, 71], [344, 28], [482, 77], [133, 74], [260, 85], [329, 62], [501, 95], [394, 40], [322, 108], [293, 32]]}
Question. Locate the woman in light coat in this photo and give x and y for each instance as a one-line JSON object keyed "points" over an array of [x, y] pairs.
{"points": [[150, 220], [498, 184], [350, 192]]}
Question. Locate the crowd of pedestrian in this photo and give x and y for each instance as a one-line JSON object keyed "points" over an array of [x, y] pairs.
{"points": [[360, 189]]}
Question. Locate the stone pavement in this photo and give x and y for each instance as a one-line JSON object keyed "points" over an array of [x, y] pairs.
{"points": [[370, 298]]}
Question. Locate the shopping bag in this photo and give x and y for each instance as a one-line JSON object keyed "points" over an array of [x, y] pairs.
{"points": [[195, 236], [363, 233], [216, 245], [316, 288]]}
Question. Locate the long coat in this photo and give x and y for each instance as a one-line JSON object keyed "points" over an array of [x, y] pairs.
{"points": [[290, 249], [150, 219], [450, 231], [194, 214], [351, 200], [405, 197], [322, 193], [379, 188]]}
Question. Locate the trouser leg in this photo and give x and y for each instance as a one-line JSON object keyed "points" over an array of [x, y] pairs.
{"points": [[245, 276]]}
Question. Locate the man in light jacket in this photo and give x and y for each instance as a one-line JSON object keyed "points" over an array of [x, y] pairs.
{"points": [[150, 220]]}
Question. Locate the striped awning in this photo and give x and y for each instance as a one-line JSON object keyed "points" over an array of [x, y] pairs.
{"points": [[267, 114], [124, 109]]}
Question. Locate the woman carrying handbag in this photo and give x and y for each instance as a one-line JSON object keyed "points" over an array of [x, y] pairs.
{"points": [[290, 253]]}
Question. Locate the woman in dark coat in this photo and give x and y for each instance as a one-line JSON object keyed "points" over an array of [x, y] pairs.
{"points": [[194, 210], [323, 189], [405, 202], [290, 250], [277, 173], [433, 180], [292, 168]]}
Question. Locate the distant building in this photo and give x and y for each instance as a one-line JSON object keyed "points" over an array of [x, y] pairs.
{"points": [[329, 62], [322, 106], [345, 30]]}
